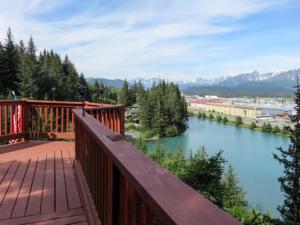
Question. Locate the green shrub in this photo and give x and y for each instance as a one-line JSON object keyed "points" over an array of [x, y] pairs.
{"points": [[276, 130], [199, 115], [253, 125], [211, 116], [150, 134], [171, 131], [225, 120], [266, 128], [219, 119], [130, 126], [285, 130], [238, 121]]}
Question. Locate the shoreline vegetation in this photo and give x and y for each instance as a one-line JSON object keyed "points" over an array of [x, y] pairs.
{"points": [[238, 122], [213, 177]]}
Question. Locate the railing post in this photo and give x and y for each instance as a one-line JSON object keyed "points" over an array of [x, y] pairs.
{"points": [[122, 119], [25, 115]]}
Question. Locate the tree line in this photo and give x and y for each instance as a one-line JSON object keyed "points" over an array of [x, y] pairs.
{"points": [[37, 76], [162, 110], [265, 127]]}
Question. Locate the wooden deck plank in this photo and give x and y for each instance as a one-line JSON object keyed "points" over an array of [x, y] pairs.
{"points": [[72, 193], [20, 207], [63, 221], [48, 200], [8, 203], [3, 170], [8, 179], [38, 185], [35, 199], [44, 217], [60, 187]]}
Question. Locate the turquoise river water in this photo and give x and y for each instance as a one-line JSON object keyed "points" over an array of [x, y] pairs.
{"points": [[250, 153]]}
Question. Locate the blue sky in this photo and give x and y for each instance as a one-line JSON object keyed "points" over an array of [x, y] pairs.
{"points": [[173, 39]]}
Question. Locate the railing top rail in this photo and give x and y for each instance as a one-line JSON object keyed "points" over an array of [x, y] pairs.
{"points": [[60, 103], [87, 105], [3, 102], [172, 201]]}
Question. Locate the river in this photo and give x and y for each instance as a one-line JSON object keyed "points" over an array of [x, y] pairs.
{"points": [[250, 153]]}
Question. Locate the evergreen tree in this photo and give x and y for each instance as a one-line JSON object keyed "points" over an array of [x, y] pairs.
{"points": [[162, 108], [124, 94], [158, 118], [9, 65], [290, 181], [28, 70], [2, 75], [35, 76], [204, 174], [71, 78], [234, 196]]}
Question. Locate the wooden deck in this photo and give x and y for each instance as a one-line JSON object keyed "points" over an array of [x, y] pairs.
{"points": [[38, 184]]}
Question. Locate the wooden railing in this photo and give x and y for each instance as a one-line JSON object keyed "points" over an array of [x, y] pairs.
{"points": [[128, 188], [52, 119], [7, 109]]}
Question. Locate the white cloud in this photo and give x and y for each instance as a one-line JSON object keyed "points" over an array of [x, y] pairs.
{"points": [[127, 40]]}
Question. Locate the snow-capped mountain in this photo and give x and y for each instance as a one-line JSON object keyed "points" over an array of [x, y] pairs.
{"points": [[255, 83]]}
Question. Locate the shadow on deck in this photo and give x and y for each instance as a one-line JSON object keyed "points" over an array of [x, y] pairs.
{"points": [[38, 184]]}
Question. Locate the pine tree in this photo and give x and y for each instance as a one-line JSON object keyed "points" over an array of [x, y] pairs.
{"points": [[234, 196], [158, 118], [124, 94], [2, 75], [290, 181], [10, 61], [28, 70], [204, 174], [71, 78]]}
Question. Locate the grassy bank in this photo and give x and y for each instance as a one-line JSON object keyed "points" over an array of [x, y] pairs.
{"points": [[238, 121]]}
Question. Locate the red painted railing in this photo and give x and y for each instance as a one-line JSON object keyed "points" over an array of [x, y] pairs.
{"points": [[128, 188], [53, 119]]}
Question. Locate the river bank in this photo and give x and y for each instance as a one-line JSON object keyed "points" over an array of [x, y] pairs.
{"points": [[243, 122]]}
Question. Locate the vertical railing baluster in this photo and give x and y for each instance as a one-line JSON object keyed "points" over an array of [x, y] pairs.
{"points": [[62, 120], [73, 123], [0, 119], [46, 119], [51, 119], [68, 122], [56, 120], [5, 120], [10, 118]]}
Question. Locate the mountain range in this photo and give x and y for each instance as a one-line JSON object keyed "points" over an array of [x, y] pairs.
{"points": [[248, 84], [279, 84]]}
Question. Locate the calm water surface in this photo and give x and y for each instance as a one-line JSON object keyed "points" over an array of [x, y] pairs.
{"points": [[250, 152]]}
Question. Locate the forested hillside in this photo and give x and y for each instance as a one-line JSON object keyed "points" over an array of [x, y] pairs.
{"points": [[37, 76]]}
